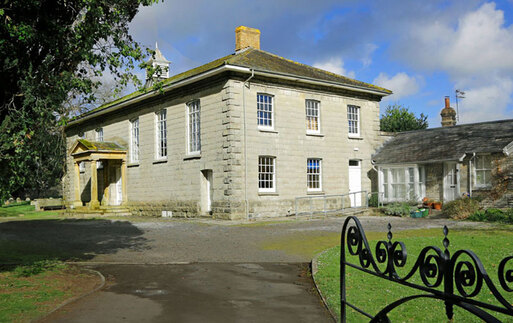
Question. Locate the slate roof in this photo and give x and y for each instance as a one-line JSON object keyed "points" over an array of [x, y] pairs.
{"points": [[445, 143], [261, 61]]}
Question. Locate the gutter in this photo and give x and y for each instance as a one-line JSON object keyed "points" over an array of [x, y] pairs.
{"points": [[218, 70], [246, 202]]}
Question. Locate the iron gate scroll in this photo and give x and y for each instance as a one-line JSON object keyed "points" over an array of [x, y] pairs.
{"points": [[444, 276]]}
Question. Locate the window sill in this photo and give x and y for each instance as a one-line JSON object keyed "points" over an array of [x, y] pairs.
{"points": [[355, 137], [315, 193], [192, 156], [134, 164], [268, 194], [267, 130], [160, 161], [314, 134]]}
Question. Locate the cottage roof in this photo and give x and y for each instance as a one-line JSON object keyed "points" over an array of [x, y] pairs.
{"points": [[259, 61], [446, 143]]}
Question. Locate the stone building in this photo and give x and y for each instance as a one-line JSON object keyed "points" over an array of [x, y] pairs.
{"points": [[446, 163], [239, 137]]}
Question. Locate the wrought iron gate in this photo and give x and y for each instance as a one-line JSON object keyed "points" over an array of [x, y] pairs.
{"points": [[444, 277]]}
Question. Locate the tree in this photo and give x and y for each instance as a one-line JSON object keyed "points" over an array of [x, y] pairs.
{"points": [[49, 50], [397, 118]]}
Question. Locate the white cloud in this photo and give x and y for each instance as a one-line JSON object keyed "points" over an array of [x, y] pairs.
{"points": [[401, 84], [334, 65], [487, 102], [475, 51]]}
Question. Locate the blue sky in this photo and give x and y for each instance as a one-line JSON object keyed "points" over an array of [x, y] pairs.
{"points": [[421, 50]]}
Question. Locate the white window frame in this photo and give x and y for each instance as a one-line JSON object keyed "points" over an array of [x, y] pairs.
{"points": [[312, 175], [193, 127], [475, 170], [419, 182], [263, 161], [353, 120], [161, 134], [134, 140], [263, 103], [313, 116]]}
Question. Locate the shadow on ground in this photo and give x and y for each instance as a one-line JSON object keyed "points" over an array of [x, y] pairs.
{"points": [[67, 239]]}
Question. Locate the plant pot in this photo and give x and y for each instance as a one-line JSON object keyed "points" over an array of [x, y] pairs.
{"points": [[437, 206], [424, 212], [430, 205]]}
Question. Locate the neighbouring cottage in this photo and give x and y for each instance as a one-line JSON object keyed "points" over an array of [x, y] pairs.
{"points": [[239, 137], [449, 162]]}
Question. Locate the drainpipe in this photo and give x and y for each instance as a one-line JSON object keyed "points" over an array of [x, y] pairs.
{"points": [[470, 174], [246, 203]]}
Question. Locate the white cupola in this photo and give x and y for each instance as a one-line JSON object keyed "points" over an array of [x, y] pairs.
{"points": [[158, 60]]}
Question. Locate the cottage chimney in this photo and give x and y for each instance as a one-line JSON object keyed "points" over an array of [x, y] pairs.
{"points": [[448, 114], [246, 37], [158, 61]]}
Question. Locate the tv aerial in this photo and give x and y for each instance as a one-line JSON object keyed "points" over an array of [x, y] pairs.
{"points": [[459, 95]]}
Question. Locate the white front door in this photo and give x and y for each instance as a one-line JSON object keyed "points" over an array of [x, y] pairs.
{"points": [[206, 191], [355, 182], [451, 182], [115, 187]]}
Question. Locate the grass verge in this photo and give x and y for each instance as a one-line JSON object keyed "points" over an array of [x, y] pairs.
{"points": [[372, 294], [26, 211], [31, 291]]}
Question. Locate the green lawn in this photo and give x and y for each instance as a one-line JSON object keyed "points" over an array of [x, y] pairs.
{"points": [[372, 293], [24, 210], [29, 292]]}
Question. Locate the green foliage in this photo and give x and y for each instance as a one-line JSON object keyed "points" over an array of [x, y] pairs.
{"points": [[461, 208], [373, 200], [37, 268], [49, 52], [493, 215], [398, 209], [397, 118]]}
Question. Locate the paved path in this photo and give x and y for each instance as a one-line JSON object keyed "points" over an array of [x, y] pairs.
{"points": [[230, 274], [244, 292]]}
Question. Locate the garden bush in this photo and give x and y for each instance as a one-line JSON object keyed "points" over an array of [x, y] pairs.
{"points": [[493, 215], [398, 209], [461, 208]]}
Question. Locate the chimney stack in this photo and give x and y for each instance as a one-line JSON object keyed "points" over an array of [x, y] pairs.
{"points": [[448, 114], [246, 37]]}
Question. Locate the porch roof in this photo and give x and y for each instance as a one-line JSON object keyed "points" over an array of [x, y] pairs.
{"points": [[87, 150], [446, 143]]}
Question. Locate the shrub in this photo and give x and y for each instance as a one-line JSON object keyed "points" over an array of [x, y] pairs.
{"points": [[398, 209], [461, 208], [373, 200], [37, 268], [493, 215]]}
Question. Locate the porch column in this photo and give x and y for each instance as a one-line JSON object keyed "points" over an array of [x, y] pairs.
{"points": [[77, 201], [123, 182], [94, 185], [106, 183]]}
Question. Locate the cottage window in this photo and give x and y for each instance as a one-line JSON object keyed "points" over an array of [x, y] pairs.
{"points": [[81, 167], [265, 112], [194, 133], [483, 171], [266, 174], [99, 134], [313, 174], [161, 134], [312, 116], [402, 183], [353, 117], [134, 140]]}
